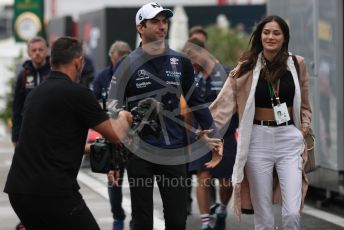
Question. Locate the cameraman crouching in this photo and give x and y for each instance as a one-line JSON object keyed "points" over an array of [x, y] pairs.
{"points": [[41, 184]]}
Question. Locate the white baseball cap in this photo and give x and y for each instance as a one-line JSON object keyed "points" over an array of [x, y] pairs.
{"points": [[150, 10]]}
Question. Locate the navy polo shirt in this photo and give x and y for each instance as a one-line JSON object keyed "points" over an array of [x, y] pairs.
{"points": [[164, 77]]}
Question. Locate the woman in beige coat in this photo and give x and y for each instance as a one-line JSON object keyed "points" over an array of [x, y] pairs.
{"points": [[269, 90]]}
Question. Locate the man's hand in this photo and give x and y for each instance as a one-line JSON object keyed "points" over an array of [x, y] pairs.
{"points": [[113, 177], [126, 116], [215, 144], [87, 148], [115, 130], [217, 154]]}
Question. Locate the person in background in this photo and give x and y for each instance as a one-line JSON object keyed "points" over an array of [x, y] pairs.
{"points": [[34, 71], [210, 77], [101, 84], [199, 33], [88, 72], [42, 182], [269, 164]]}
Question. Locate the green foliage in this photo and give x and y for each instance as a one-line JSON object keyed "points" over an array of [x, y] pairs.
{"points": [[6, 113], [227, 44]]}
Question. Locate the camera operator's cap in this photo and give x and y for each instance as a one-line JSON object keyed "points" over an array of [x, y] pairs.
{"points": [[150, 10]]}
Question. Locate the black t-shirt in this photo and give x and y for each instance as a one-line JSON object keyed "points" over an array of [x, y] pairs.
{"points": [[57, 116], [286, 92]]}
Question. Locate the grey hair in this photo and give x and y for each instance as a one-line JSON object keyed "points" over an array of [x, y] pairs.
{"points": [[37, 39], [121, 47]]}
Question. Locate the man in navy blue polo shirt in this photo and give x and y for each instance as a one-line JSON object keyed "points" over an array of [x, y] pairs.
{"points": [[154, 70]]}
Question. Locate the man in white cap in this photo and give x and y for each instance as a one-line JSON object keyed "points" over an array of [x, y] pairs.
{"points": [[154, 70]]}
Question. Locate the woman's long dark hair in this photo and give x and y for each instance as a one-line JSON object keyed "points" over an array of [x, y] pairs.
{"points": [[278, 66]]}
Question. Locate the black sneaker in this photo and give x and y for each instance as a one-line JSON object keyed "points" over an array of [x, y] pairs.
{"points": [[220, 221], [131, 225], [118, 225], [207, 227]]}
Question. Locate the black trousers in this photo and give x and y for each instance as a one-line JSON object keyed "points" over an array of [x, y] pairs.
{"points": [[171, 180], [53, 212]]}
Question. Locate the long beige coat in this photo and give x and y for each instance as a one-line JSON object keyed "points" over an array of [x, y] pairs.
{"points": [[238, 95]]}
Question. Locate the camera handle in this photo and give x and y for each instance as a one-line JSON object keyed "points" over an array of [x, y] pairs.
{"points": [[104, 96]]}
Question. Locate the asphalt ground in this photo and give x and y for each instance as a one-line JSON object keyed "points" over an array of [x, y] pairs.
{"points": [[94, 191]]}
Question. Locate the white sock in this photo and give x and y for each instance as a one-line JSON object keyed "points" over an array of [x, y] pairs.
{"points": [[205, 218]]}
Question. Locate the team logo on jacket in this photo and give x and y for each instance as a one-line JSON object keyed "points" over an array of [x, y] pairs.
{"points": [[216, 85], [30, 82], [143, 79], [142, 73], [174, 61], [217, 74]]}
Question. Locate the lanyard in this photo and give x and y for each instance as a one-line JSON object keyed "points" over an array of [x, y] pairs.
{"points": [[273, 91]]}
